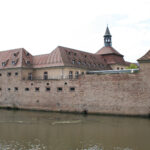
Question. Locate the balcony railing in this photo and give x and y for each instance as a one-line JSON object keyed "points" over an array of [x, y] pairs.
{"points": [[113, 71], [50, 78]]}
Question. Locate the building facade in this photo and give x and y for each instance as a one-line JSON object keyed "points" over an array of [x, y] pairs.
{"points": [[62, 62], [59, 82]]}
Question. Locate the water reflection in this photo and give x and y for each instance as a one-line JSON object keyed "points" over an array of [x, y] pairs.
{"points": [[22, 130]]}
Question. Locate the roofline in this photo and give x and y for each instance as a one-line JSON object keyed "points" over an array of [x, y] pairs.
{"points": [[12, 49], [143, 61], [76, 50], [111, 54]]}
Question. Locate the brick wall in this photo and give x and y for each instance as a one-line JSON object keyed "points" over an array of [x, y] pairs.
{"points": [[125, 94]]}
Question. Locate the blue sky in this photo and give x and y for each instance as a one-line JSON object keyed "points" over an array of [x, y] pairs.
{"points": [[41, 25]]}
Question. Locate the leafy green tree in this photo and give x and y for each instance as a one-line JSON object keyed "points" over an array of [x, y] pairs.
{"points": [[132, 66]]}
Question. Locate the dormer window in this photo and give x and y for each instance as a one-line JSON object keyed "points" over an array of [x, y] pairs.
{"points": [[28, 62], [27, 54], [3, 63], [13, 62], [15, 54]]}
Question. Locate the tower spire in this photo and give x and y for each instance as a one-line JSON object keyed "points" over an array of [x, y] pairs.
{"points": [[107, 38]]}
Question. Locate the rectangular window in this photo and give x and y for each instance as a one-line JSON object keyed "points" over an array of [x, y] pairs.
{"points": [[9, 89], [15, 88], [72, 88], [48, 89], [70, 74], [16, 73], [45, 75], [37, 89], [76, 74], [29, 76], [26, 89], [28, 62], [59, 89], [0, 89], [8, 74], [0, 74]]}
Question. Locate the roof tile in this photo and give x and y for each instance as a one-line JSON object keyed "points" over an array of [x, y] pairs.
{"points": [[145, 57]]}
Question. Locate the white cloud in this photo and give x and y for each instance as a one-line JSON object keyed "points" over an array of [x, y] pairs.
{"points": [[41, 25]]}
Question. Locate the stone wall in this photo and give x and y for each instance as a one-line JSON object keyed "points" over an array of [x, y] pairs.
{"points": [[121, 94]]}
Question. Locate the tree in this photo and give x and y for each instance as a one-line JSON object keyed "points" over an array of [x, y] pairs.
{"points": [[132, 66]]}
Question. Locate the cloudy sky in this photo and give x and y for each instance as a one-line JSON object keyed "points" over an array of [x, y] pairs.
{"points": [[40, 26]]}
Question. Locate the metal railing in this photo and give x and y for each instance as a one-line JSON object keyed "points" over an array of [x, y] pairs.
{"points": [[50, 78], [113, 71]]}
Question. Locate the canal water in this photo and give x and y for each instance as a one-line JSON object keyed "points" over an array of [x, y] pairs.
{"points": [[23, 130]]}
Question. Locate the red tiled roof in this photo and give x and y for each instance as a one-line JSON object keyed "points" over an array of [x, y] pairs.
{"points": [[112, 56], [114, 59], [48, 60], [82, 59], [108, 50], [61, 56], [15, 58], [145, 57]]}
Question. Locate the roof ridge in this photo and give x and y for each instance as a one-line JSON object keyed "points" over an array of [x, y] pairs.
{"points": [[76, 50], [60, 52], [11, 50]]}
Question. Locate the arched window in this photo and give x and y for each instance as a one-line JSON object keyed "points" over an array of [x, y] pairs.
{"points": [[45, 75], [70, 74], [76, 74]]}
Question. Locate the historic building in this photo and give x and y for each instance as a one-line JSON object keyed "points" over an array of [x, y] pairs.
{"points": [[60, 81], [62, 62], [110, 55]]}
